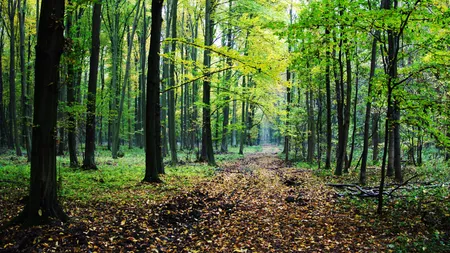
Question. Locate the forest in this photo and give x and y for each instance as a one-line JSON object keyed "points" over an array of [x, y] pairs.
{"points": [[225, 126]]}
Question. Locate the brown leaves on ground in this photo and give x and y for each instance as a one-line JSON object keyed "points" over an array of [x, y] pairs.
{"points": [[253, 205]]}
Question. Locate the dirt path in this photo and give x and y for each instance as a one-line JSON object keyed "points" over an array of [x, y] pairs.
{"points": [[258, 205]]}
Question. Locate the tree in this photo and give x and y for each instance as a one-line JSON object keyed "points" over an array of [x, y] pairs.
{"points": [[12, 6], [171, 104], [3, 127], [153, 156], [23, 78], [207, 147], [71, 83], [89, 156], [43, 200]]}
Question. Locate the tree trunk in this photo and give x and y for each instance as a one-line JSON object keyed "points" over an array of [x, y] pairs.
{"points": [[172, 105], [373, 65], [126, 80], [153, 160], [43, 202], [23, 79], [311, 126], [71, 79], [12, 5], [348, 106], [226, 108], [207, 147], [3, 127], [329, 122], [243, 117], [397, 145], [89, 157], [352, 147]]}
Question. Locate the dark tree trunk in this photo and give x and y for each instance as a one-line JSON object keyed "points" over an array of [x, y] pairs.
{"points": [[329, 122], [341, 147], [243, 126], [153, 157], [126, 83], [71, 79], [348, 106], [43, 202], [172, 104], [311, 126], [89, 157], [397, 145], [288, 109], [23, 79], [373, 65], [207, 147], [355, 121], [165, 84], [226, 108], [375, 137], [12, 6], [3, 127]]}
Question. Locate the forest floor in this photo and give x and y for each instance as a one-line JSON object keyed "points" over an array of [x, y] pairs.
{"points": [[255, 204]]}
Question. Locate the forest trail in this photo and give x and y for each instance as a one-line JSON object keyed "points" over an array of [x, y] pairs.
{"points": [[255, 204]]}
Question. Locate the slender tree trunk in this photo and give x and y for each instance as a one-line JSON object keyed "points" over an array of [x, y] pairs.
{"points": [[71, 79], [12, 6], [153, 160], [102, 89], [397, 144], [234, 121], [375, 137], [89, 157], [3, 127], [348, 106], [373, 65], [172, 105], [207, 148], [166, 84], [340, 115], [126, 80], [352, 147], [311, 126], [43, 201], [243, 117], [23, 79], [329, 122], [288, 109], [226, 108]]}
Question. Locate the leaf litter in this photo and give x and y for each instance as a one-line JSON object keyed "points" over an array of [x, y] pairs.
{"points": [[254, 204]]}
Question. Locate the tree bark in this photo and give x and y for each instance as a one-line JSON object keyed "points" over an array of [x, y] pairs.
{"points": [[153, 157], [23, 79], [71, 79], [3, 127], [373, 65], [226, 108], [329, 122], [207, 147], [171, 104], [89, 157], [126, 80], [43, 202], [12, 6]]}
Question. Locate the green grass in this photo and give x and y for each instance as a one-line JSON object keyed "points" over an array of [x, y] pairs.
{"points": [[116, 180]]}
